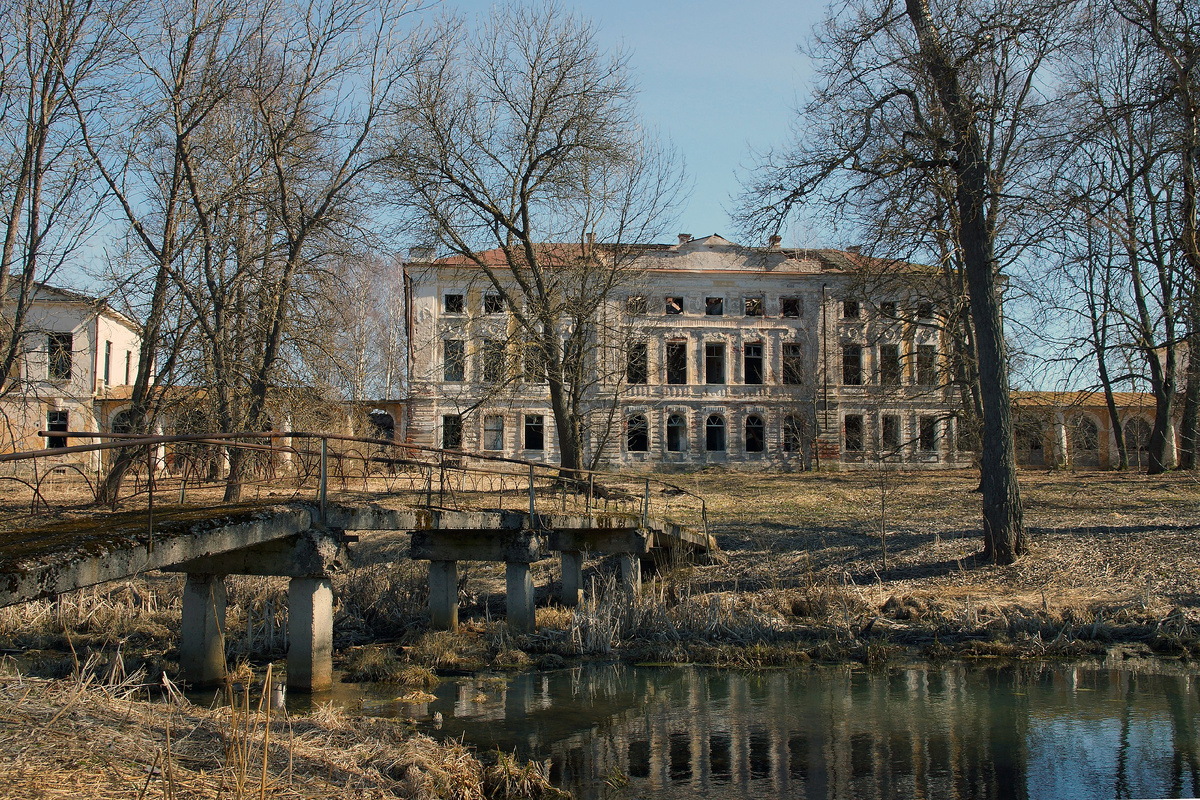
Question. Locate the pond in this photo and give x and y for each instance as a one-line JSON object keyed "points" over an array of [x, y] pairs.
{"points": [[921, 730]]}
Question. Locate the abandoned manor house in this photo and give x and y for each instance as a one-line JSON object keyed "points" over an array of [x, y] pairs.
{"points": [[726, 355]]}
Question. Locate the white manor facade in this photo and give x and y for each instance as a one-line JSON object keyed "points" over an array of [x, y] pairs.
{"points": [[731, 355]]}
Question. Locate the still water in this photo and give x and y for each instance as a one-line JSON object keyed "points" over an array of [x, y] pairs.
{"points": [[945, 731]]}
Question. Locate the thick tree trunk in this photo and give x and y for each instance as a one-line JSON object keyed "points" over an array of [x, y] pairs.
{"points": [[1191, 407], [1003, 524]]}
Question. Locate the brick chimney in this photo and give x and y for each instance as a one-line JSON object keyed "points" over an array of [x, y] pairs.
{"points": [[684, 238], [774, 241]]}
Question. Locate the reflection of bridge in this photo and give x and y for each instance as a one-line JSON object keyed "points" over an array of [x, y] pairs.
{"points": [[296, 506]]}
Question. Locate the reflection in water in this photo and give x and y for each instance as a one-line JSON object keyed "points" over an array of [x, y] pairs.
{"points": [[958, 732]]}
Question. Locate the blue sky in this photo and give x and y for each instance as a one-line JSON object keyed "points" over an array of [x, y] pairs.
{"points": [[717, 79]]}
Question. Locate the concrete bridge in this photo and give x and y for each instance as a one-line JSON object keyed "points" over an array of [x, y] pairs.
{"points": [[307, 540]]}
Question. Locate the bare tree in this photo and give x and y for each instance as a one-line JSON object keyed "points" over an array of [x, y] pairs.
{"points": [[522, 139]]}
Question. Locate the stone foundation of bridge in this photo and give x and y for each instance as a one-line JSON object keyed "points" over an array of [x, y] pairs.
{"points": [[571, 593], [310, 634], [443, 595], [202, 639]]}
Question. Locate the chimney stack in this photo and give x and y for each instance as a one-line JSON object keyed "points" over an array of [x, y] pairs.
{"points": [[421, 254], [684, 238], [856, 249], [774, 241]]}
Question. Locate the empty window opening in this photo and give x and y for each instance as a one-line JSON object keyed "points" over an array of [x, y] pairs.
{"points": [[754, 307], [122, 422], [454, 367], [714, 433], [493, 432], [851, 365], [793, 360], [789, 307], [57, 422], [676, 433], [890, 441], [493, 304], [793, 432], [383, 425], [753, 355], [714, 306], [927, 439], [926, 365], [714, 362], [535, 363], [495, 370], [925, 310], [637, 363], [756, 434], [635, 305], [674, 305], [849, 309], [58, 349], [889, 365], [854, 433], [452, 432], [637, 434], [887, 309], [676, 362], [454, 303], [535, 432]]}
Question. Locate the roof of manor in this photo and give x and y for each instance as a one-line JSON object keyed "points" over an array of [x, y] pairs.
{"points": [[1080, 399], [708, 253], [45, 293]]}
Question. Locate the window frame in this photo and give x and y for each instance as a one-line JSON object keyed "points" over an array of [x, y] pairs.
{"points": [[714, 302], [642, 431], [534, 424], [675, 363], [454, 360], [60, 355], [714, 360], [677, 433], [852, 367], [754, 306], [715, 423], [854, 441], [891, 365], [461, 302], [761, 433], [490, 431], [493, 303], [637, 363], [452, 427], [673, 305]]}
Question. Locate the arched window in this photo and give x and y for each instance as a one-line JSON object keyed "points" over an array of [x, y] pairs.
{"points": [[714, 433], [1084, 438], [756, 434], [676, 433], [122, 422], [383, 426], [637, 434]]}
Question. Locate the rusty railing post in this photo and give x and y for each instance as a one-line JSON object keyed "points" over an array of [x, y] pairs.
{"points": [[646, 506], [150, 495], [323, 481], [532, 497]]}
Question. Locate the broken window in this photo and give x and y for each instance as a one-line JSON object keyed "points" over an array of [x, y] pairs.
{"points": [[793, 428], [454, 367], [493, 432], [535, 363], [852, 365], [57, 422], [714, 433], [927, 439], [637, 434], [887, 309], [849, 309], [754, 306], [793, 364], [714, 362], [714, 306], [925, 310], [854, 433], [676, 433], [789, 306], [753, 357], [926, 365], [58, 351], [451, 432], [535, 432], [674, 305], [889, 365], [493, 304], [890, 439], [636, 364], [454, 303], [495, 370], [756, 434], [635, 305], [677, 362]]}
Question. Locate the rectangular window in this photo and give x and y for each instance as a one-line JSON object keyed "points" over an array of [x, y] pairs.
{"points": [[926, 365], [451, 432], [887, 309], [535, 432], [789, 306], [637, 364], [454, 303], [493, 432], [754, 306], [108, 363], [889, 365], [925, 310], [854, 433], [714, 362], [927, 439], [493, 304], [677, 362], [793, 429], [714, 306], [58, 350], [676, 433], [128, 359], [849, 309], [495, 370], [454, 365], [674, 305], [635, 305], [535, 363], [58, 421], [753, 355], [793, 364], [891, 433], [852, 365]]}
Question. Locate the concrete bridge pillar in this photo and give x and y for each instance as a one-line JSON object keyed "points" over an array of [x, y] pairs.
{"points": [[571, 593], [310, 634], [202, 638], [443, 595], [519, 585], [631, 572]]}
